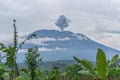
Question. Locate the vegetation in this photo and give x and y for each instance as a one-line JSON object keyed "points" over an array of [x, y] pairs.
{"points": [[11, 52], [54, 74], [32, 61], [101, 71], [72, 71], [82, 70]]}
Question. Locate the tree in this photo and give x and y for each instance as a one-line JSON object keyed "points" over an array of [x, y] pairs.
{"points": [[54, 74], [62, 22], [32, 59], [73, 70], [11, 52]]}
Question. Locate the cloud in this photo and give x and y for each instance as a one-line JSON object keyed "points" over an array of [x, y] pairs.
{"points": [[43, 49], [13, 8], [63, 39], [108, 39], [107, 26], [89, 15], [39, 14], [40, 41], [22, 51], [8, 38]]}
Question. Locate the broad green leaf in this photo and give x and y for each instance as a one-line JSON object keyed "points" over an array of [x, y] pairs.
{"points": [[2, 46], [19, 78], [87, 64], [76, 59], [101, 64], [112, 61], [86, 72]]}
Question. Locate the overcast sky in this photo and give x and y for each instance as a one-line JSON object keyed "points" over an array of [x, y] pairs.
{"points": [[98, 19]]}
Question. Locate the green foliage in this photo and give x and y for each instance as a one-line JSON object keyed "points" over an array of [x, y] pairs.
{"points": [[87, 65], [113, 60], [73, 71], [10, 56], [15, 35], [54, 75], [114, 73], [101, 64], [102, 68], [11, 52], [27, 74], [32, 59], [19, 78], [39, 74], [2, 69]]}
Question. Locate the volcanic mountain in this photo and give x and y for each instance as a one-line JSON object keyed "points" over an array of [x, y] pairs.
{"points": [[56, 45]]}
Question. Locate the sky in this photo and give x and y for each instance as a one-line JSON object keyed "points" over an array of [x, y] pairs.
{"points": [[97, 19]]}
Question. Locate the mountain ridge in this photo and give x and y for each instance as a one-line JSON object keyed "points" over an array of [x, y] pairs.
{"points": [[57, 45]]}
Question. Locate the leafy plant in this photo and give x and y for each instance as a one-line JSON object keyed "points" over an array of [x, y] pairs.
{"points": [[2, 71], [39, 74], [88, 66], [73, 71], [11, 52], [19, 78], [114, 73], [102, 67], [101, 64], [54, 75], [32, 59]]}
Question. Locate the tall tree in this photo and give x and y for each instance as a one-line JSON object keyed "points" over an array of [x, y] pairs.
{"points": [[32, 59], [15, 49], [11, 52]]}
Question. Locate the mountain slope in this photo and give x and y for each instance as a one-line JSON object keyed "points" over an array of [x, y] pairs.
{"points": [[56, 45]]}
